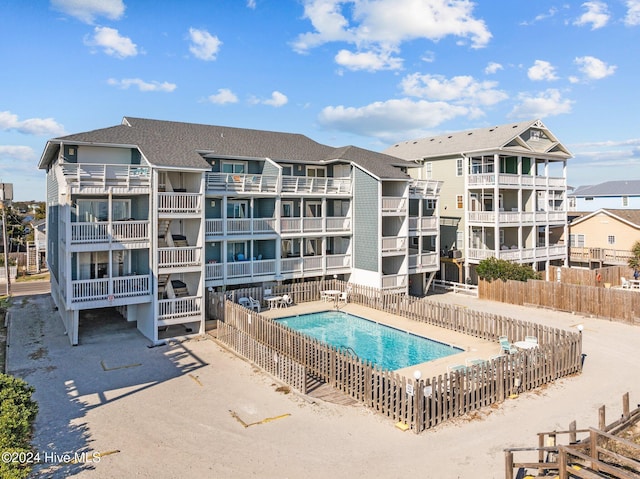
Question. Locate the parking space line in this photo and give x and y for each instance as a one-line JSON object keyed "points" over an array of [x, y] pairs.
{"points": [[105, 368]]}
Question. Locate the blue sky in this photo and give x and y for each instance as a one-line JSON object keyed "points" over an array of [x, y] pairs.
{"points": [[363, 72]]}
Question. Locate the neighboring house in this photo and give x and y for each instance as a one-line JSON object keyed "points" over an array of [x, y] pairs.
{"points": [[149, 216], [623, 194], [603, 238], [504, 194], [37, 249]]}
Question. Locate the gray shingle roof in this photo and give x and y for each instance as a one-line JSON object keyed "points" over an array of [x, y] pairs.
{"points": [[609, 188], [501, 137], [177, 144]]}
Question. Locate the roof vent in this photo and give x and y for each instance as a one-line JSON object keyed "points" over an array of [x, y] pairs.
{"points": [[450, 136]]}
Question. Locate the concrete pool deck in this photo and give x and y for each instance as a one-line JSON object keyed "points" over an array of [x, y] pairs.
{"points": [[165, 412], [474, 348]]}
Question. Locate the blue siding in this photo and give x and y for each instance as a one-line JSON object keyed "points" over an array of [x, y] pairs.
{"points": [[366, 211]]}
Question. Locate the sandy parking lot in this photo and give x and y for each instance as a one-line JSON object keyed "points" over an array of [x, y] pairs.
{"points": [[175, 411]]}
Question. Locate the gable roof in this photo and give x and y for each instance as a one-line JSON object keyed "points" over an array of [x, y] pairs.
{"points": [[181, 145], [609, 188], [512, 137], [631, 217]]}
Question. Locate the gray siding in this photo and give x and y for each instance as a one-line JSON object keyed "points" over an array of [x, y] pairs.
{"points": [[53, 212], [366, 212]]}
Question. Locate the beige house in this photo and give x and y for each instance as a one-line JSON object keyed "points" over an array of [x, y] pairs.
{"points": [[504, 194], [603, 237]]}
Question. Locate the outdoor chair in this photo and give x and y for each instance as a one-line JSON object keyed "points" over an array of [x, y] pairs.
{"points": [[249, 303], [506, 346], [531, 339], [343, 297], [624, 283], [286, 301]]}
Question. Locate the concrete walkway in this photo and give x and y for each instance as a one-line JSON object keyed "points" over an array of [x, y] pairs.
{"points": [[180, 410]]}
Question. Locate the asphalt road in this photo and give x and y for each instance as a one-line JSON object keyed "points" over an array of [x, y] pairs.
{"points": [[27, 288]]}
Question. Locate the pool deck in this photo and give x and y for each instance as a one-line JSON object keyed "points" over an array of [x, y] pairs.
{"points": [[474, 348]]}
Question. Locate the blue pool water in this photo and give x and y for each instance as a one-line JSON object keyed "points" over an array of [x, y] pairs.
{"points": [[384, 346]]}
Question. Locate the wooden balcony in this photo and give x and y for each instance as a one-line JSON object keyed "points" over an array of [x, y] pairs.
{"points": [[179, 203], [423, 262], [394, 205], [251, 269], [524, 255], [426, 224], [179, 310], [183, 256], [510, 180], [241, 183], [93, 178], [394, 245], [108, 232], [110, 289], [425, 188], [599, 255], [302, 185]]}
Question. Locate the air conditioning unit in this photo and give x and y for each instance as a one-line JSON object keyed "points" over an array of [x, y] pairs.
{"points": [[455, 253]]}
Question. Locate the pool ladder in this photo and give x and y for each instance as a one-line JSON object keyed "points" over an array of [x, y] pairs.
{"points": [[349, 349]]}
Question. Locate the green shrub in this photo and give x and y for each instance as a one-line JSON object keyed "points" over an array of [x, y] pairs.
{"points": [[494, 268], [17, 414]]}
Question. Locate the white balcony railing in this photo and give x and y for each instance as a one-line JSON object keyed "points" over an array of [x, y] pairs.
{"points": [[335, 223], [338, 261], [179, 308], [214, 271], [213, 227], [541, 253], [426, 223], [179, 256], [241, 183], [422, 261], [394, 244], [312, 225], [110, 288], [511, 180], [394, 281], [315, 185], [104, 232], [182, 203], [429, 188], [393, 205], [93, 175]]}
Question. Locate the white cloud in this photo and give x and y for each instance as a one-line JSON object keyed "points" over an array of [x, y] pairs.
{"points": [[142, 85], [492, 68], [544, 104], [204, 45], [371, 61], [597, 15], [113, 44], [543, 16], [542, 70], [223, 96], [277, 99], [31, 126], [383, 25], [459, 89], [594, 68], [88, 10], [251, 4], [386, 120], [632, 18], [16, 152]]}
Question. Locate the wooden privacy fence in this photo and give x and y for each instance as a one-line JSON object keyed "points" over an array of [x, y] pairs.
{"points": [[420, 404], [611, 303], [591, 277]]}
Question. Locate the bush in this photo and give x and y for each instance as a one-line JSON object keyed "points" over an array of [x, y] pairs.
{"points": [[493, 268], [17, 414]]}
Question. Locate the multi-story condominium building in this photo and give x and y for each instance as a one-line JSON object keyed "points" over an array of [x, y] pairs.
{"points": [[621, 194], [504, 194], [152, 216]]}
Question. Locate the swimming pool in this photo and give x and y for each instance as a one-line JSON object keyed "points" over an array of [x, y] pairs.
{"points": [[384, 346]]}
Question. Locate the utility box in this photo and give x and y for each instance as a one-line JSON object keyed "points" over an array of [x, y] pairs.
{"points": [[6, 191]]}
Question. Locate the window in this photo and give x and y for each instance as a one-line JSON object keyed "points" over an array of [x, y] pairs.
{"points": [[459, 202], [459, 167], [237, 209], [235, 248], [316, 171], [576, 241], [625, 201], [459, 239], [287, 170], [233, 167], [287, 209], [589, 198], [98, 210], [501, 236], [611, 239], [428, 170], [431, 204]]}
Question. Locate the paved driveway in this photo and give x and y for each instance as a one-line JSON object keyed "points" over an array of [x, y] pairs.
{"points": [[180, 410]]}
